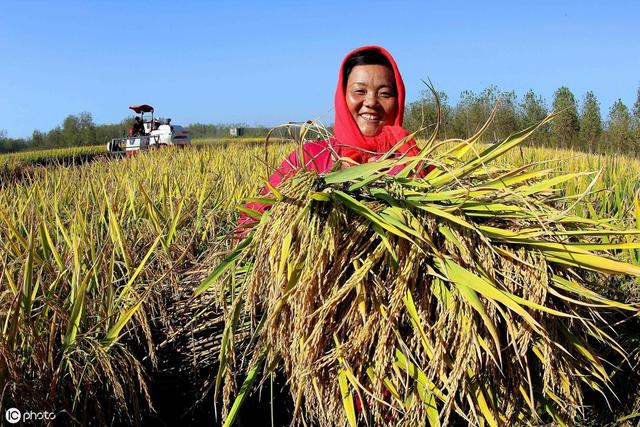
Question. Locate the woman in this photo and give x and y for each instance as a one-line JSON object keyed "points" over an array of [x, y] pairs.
{"points": [[369, 106]]}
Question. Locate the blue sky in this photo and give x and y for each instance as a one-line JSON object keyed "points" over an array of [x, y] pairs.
{"points": [[273, 62]]}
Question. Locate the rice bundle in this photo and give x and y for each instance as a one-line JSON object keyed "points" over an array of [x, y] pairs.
{"points": [[467, 294]]}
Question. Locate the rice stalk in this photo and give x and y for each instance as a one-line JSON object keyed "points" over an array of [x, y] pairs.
{"points": [[467, 294]]}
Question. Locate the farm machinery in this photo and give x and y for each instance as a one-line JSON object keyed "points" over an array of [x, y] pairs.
{"points": [[157, 133]]}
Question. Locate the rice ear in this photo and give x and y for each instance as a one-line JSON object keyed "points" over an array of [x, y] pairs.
{"points": [[432, 300]]}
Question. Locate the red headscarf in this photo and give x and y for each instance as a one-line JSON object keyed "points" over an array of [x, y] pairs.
{"points": [[349, 140]]}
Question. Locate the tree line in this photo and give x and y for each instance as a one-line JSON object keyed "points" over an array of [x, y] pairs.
{"points": [[76, 130], [80, 130], [202, 130], [579, 126]]}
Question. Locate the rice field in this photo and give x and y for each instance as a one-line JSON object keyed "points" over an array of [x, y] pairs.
{"points": [[16, 165], [99, 263]]}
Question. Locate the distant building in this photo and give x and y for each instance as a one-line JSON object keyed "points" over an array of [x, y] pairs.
{"points": [[236, 131]]}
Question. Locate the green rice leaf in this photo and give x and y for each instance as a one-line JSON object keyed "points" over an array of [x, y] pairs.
{"points": [[357, 172], [246, 387], [125, 290], [227, 263]]}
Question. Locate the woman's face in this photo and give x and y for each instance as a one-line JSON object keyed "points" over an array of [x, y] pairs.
{"points": [[371, 97]]}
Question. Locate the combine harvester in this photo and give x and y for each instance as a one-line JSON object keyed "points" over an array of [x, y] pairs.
{"points": [[158, 133]]}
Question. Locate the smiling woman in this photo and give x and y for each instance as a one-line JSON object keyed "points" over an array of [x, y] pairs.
{"points": [[369, 106], [371, 98], [370, 91]]}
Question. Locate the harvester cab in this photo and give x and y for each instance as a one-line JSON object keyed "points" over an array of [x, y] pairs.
{"points": [[157, 133]]}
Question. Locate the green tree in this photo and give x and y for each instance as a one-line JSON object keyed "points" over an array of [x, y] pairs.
{"points": [[55, 137], [565, 128], [71, 131], [469, 114], [636, 115], [532, 110], [8, 145], [619, 128], [473, 110], [104, 133], [590, 122], [3, 141], [636, 106], [506, 121], [38, 139], [86, 129], [421, 115], [79, 130]]}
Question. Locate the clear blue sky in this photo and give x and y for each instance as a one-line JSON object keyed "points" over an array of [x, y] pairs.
{"points": [[267, 62]]}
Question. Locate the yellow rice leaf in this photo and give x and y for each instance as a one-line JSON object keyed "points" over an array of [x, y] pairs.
{"points": [[76, 313], [347, 398], [490, 207], [278, 195], [285, 250], [486, 411], [491, 153], [114, 332], [136, 273], [446, 215], [596, 367], [261, 200], [366, 212], [12, 284], [507, 180], [14, 230], [174, 223], [591, 262], [578, 289], [417, 324], [227, 263], [386, 381], [554, 415], [472, 298], [527, 190], [433, 416], [460, 275], [385, 240], [320, 196], [416, 373], [628, 417]]}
